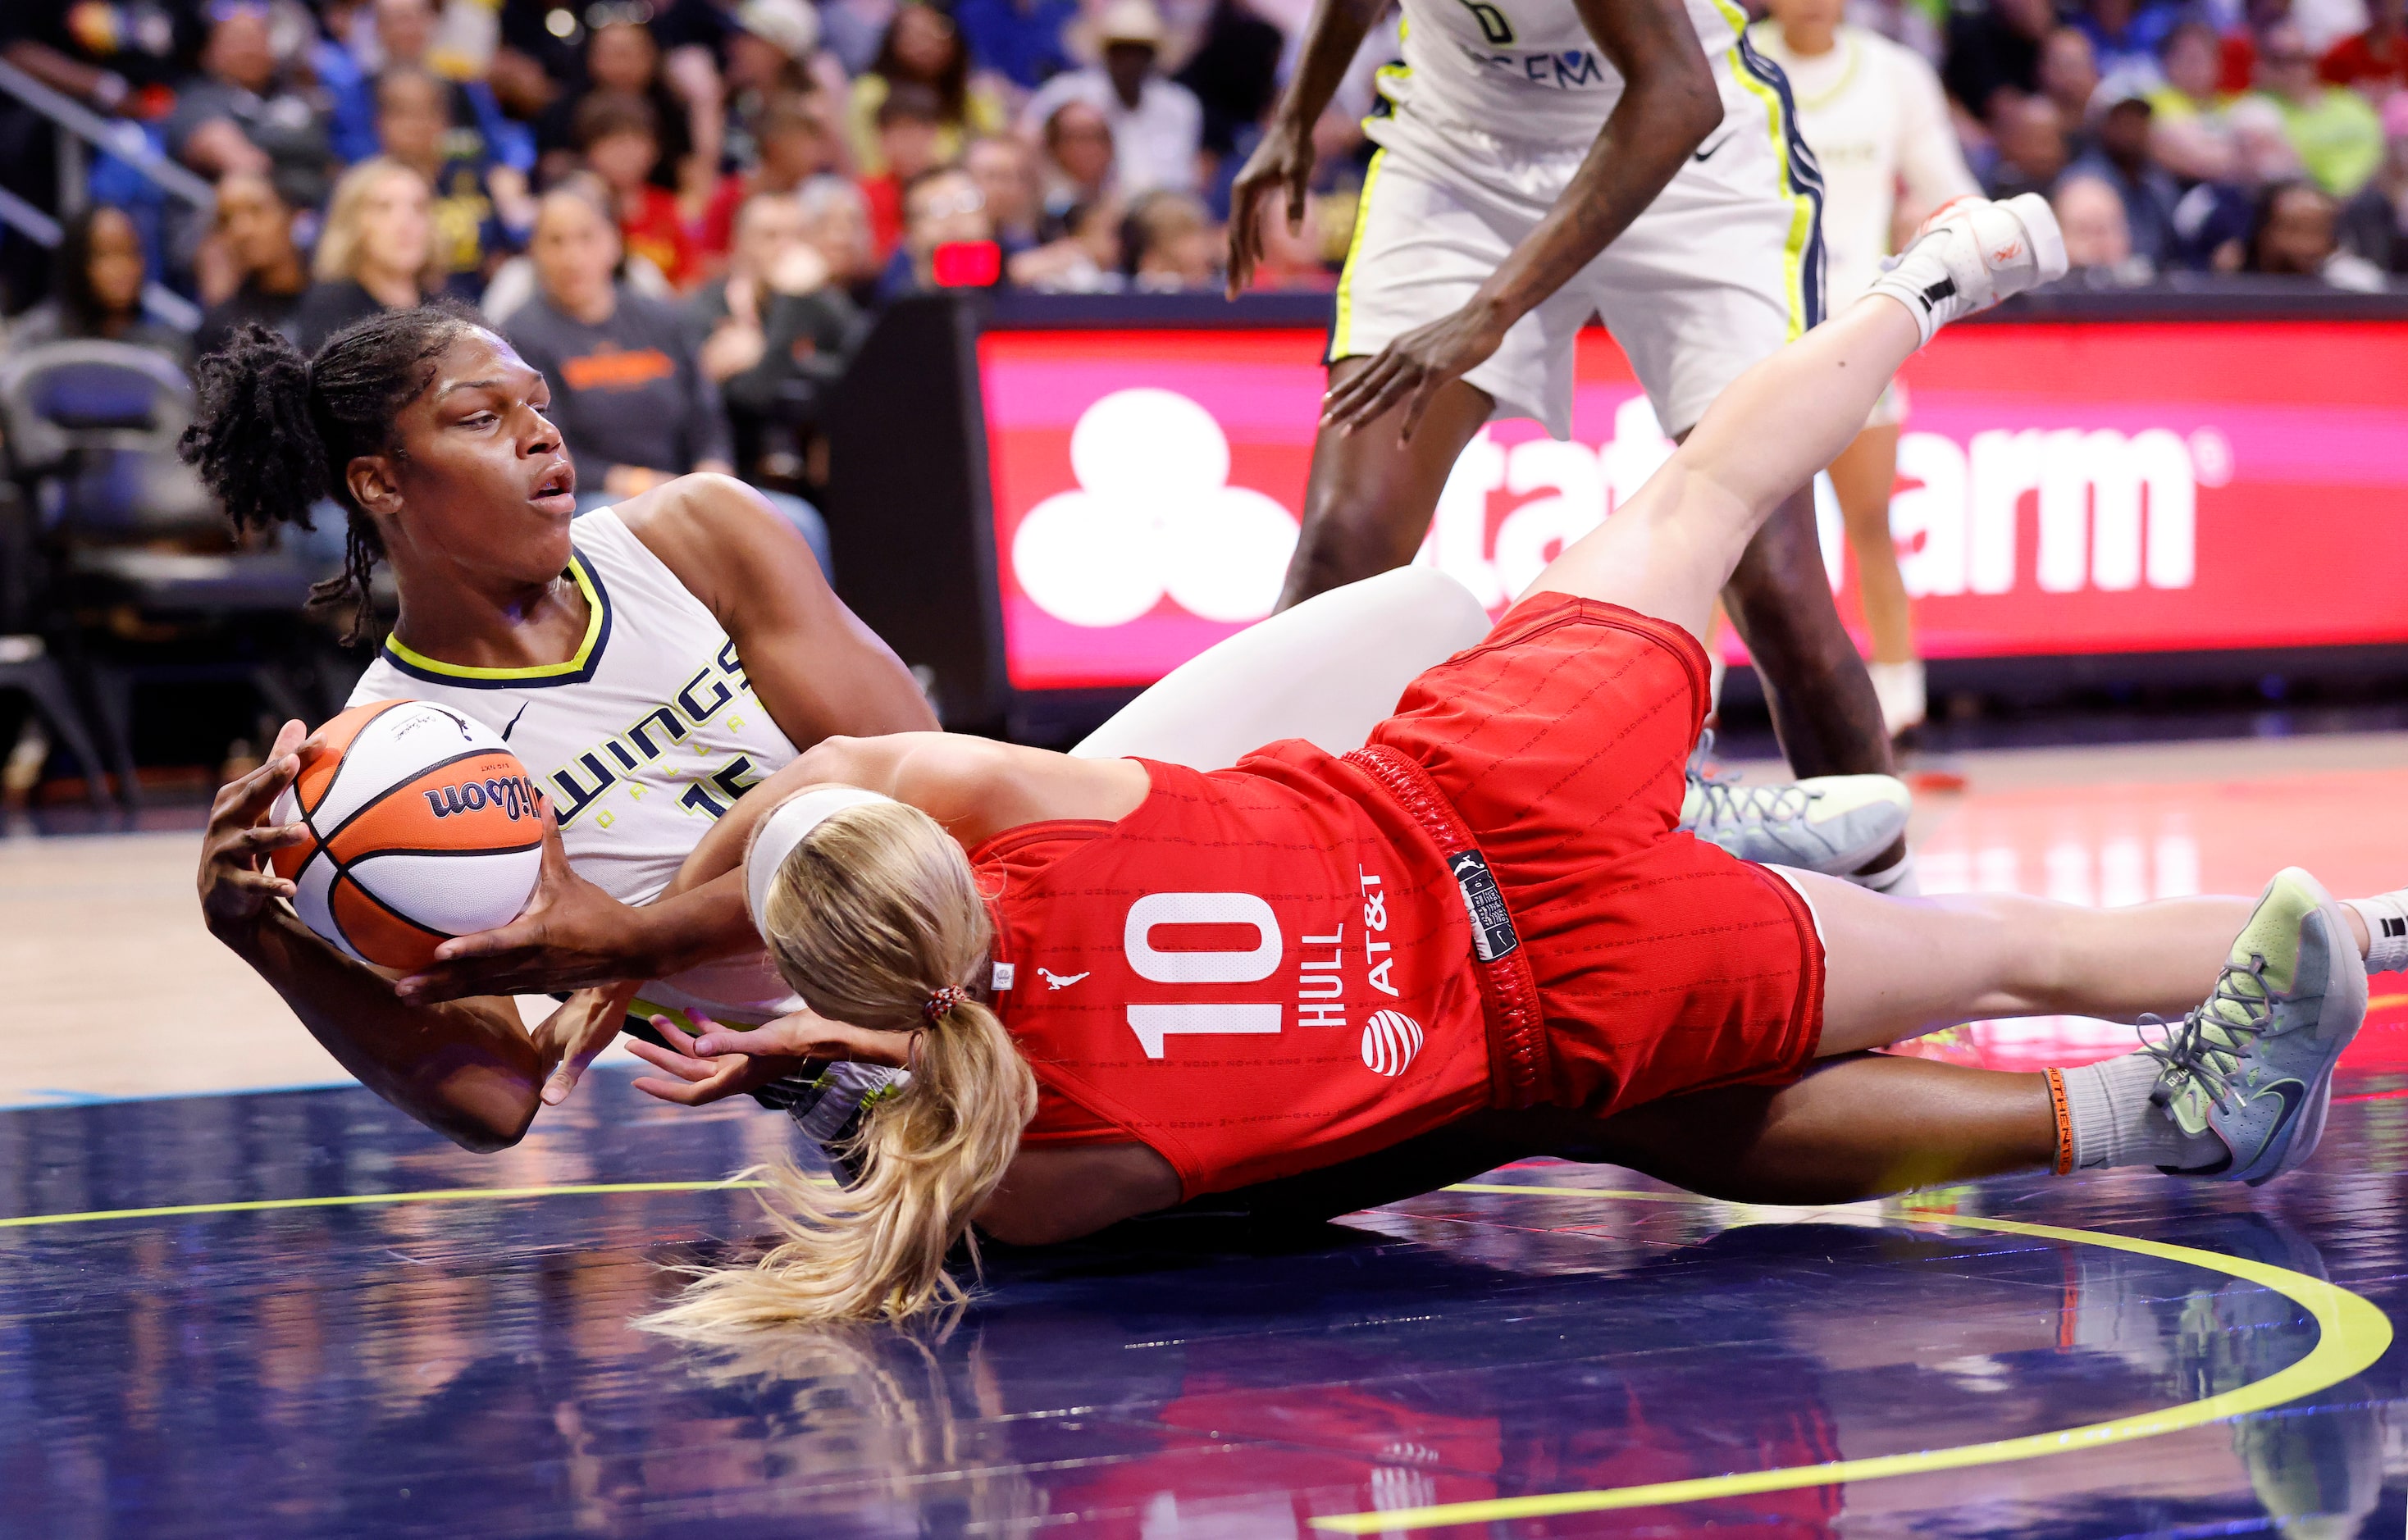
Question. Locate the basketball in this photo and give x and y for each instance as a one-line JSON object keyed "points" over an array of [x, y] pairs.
{"points": [[423, 826]]}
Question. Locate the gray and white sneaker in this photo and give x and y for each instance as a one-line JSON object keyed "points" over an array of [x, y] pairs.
{"points": [[826, 1100], [1826, 823], [1971, 255], [2254, 1064]]}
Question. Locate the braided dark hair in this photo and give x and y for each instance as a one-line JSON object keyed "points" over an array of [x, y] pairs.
{"points": [[277, 430]]}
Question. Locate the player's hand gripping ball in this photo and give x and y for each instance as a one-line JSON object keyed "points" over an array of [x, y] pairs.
{"points": [[423, 826]]}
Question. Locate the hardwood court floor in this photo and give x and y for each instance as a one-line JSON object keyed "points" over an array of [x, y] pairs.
{"points": [[296, 1313]]}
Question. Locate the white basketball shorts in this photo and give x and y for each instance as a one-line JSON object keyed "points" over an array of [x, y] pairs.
{"points": [[1725, 266]]}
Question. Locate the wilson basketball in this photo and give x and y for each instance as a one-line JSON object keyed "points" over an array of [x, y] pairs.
{"points": [[423, 826]]}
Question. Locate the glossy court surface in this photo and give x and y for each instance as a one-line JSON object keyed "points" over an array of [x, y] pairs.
{"points": [[351, 1329]]}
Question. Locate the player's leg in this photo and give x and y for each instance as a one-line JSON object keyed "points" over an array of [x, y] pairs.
{"points": [[1863, 477], [1369, 500], [1669, 549], [1675, 544], [1426, 238], [2267, 996], [1859, 1127], [1720, 272], [1824, 708], [1899, 968]]}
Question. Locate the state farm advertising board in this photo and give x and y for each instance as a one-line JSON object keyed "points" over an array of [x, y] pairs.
{"points": [[2094, 488]]}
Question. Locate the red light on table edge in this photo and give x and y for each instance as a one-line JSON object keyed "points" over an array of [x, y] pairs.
{"points": [[967, 265]]}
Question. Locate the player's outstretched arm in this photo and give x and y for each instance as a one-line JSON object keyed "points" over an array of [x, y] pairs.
{"points": [[467, 1069], [1282, 164], [1668, 107]]}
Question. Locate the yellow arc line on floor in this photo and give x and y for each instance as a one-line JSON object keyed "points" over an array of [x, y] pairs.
{"points": [[362, 1200], [2352, 1335]]}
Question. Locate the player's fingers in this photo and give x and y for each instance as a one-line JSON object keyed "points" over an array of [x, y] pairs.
{"points": [[507, 939], [247, 798], [1343, 405], [1376, 390], [289, 739], [1242, 238], [262, 838], [593, 1037], [674, 1035], [259, 882], [1299, 181], [674, 1063], [1415, 405], [670, 1090]]}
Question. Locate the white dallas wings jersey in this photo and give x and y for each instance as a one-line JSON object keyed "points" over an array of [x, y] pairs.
{"points": [[1874, 113], [1521, 70], [641, 740]]}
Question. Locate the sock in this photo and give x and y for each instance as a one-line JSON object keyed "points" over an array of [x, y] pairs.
{"points": [[2106, 1119], [2386, 930], [1898, 879], [1715, 669]]}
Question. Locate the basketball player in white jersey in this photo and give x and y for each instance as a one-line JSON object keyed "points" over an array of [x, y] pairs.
{"points": [[1874, 113], [1546, 160]]}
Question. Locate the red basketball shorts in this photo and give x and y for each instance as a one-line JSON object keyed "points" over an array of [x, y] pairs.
{"points": [[1663, 964]]}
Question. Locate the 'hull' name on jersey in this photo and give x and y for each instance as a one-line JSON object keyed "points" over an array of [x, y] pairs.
{"points": [[709, 692]]}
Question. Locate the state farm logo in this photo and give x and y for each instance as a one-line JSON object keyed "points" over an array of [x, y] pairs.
{"points": [[2065, 509], [1995, 511], [1154, 514]]}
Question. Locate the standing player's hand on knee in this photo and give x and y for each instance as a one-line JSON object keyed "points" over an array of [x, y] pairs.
{"points": [[237, 887], [1282, 164], [1412, 370]]}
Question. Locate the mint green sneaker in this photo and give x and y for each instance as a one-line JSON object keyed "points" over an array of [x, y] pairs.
{"points": [[1831, 824], [2254, 1064]]}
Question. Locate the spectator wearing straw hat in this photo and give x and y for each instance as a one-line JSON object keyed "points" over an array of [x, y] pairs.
{"points": [[1157, 125]]}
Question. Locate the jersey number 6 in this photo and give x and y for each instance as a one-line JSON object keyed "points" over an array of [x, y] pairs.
{"points": [[1153, 1023]]}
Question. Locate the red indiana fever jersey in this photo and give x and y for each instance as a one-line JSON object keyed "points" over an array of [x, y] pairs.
{"points": [[1260, 971]]}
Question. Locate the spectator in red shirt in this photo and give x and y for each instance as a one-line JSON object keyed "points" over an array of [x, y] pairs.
{"points": [[620, 137], [2376, 60], [910, 131]]}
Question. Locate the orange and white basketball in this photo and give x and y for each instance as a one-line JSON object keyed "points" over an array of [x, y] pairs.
{"points": [[423, 826]]}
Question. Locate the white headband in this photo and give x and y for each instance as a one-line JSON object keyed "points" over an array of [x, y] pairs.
{"points": [[784, 829]]}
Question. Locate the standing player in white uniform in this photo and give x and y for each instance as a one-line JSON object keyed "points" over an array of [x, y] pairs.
{"points": [[1547, 161], [1874, 113]]}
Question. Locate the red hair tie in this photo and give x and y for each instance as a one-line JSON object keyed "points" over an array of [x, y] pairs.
{"points": [[942, 1002]]}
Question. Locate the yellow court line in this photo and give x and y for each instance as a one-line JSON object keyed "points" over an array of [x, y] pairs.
{"points": [[2352, 1335], [362, 1200]]}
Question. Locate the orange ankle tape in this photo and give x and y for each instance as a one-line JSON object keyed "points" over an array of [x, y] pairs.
{"points": [[2064, 1122]]}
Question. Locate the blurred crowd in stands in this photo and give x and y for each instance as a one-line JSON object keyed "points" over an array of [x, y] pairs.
{"points": [[685, 210]]}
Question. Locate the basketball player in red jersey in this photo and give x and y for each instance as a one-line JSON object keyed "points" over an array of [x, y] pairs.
{"points": [[1119, 984]]}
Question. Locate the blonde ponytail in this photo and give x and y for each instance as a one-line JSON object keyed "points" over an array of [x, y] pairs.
{"points": [[871, 916]]}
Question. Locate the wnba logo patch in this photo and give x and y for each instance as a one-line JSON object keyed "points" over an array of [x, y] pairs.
{"points": [[1390, 1040]]}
